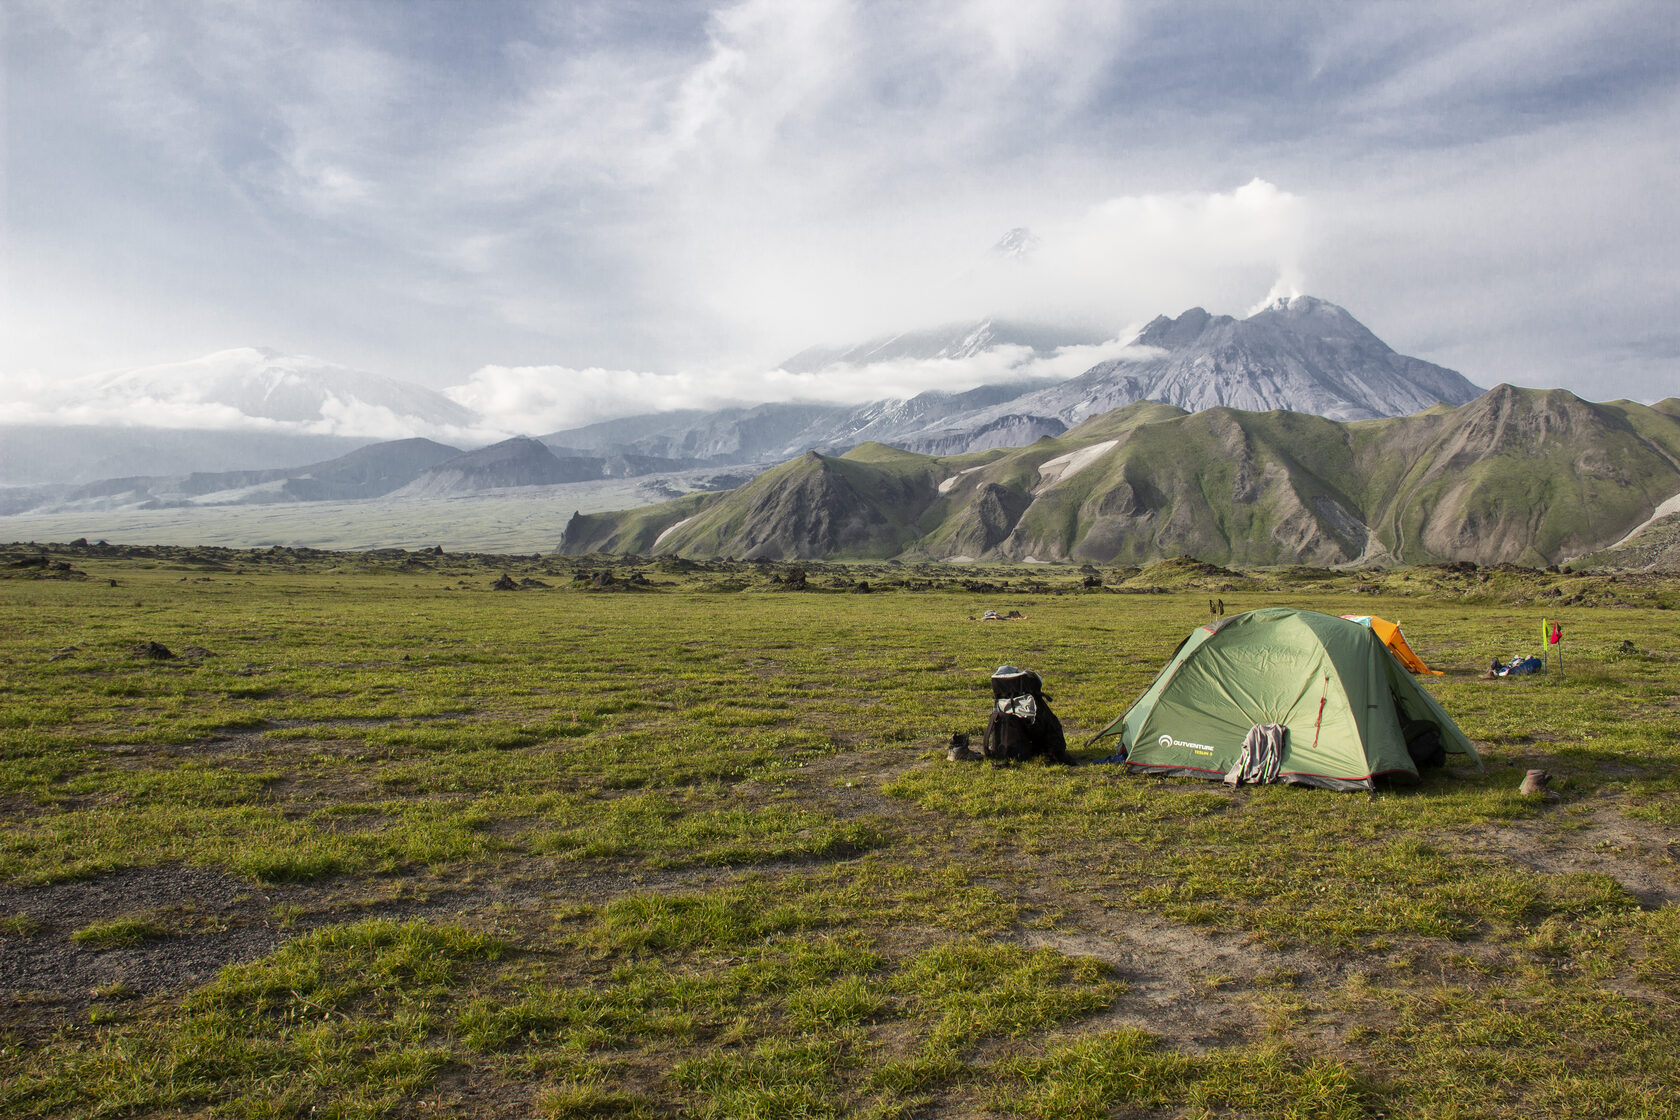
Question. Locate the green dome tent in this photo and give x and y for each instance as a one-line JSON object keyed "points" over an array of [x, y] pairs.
{"points": [[1349, 707]]}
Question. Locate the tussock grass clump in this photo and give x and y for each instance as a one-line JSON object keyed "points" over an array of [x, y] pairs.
{"points": [[114, 933], [18, 925]]}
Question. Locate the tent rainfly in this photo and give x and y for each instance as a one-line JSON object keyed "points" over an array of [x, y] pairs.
{"points": [[1348, 707], [1390, 633]]}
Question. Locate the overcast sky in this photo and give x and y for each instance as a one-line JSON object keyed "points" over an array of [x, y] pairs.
{"points": [[601, 202]]}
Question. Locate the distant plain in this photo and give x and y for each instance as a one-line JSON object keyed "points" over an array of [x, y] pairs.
{"points": [[524, 519]]}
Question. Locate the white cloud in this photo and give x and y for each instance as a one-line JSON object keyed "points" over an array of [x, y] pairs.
{"points": [[536, 400], [1122, 259], [340, 416], [710, 187], [137, 412], [1571, 217], [1492, 50], [244, 389]]}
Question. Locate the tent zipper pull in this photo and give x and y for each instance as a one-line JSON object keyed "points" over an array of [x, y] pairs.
{"points": [[1322, 697]]}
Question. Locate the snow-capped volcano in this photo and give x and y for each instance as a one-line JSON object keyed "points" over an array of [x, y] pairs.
{"points": [[249, 387], [1017, 243], [1297, 353]]}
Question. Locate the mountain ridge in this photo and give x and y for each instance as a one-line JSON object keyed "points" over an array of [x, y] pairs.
{"points": [[1300, 353], [370, 471], [1514, 476], [1303, 353]]}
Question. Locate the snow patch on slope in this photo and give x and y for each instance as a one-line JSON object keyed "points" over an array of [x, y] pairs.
{"points": [[950, 483], [660, 539], [1064, 467], [1670, 505]]}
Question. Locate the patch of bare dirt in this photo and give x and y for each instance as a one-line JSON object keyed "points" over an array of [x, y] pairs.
{"points": [[1595, 838], [1188, 985], [464, 1092], [847, 783], [214, 919]]}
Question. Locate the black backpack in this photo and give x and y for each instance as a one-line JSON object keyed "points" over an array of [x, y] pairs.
{"points": [[1021, 723], [1423, 743]]}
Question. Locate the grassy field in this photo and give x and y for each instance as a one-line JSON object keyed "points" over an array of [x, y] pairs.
{"points": [[672, 839]]}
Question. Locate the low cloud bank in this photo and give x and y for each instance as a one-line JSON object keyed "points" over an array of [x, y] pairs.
{"points": [[540, 399], [248, 389], [252, 390], [337, 417]]}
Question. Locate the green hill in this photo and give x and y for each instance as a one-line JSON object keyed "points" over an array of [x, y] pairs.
{"points": [[1518, 475], [1523, 476], [863, 505]]}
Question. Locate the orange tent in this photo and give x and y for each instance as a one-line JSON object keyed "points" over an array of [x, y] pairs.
{"points": [[1391, 637]]}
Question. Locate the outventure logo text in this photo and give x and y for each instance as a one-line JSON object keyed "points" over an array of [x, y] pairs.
{"points": [[1199, 748]]}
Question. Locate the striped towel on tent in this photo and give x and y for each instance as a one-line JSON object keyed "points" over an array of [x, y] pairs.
{"points": [[1261, 758]]}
